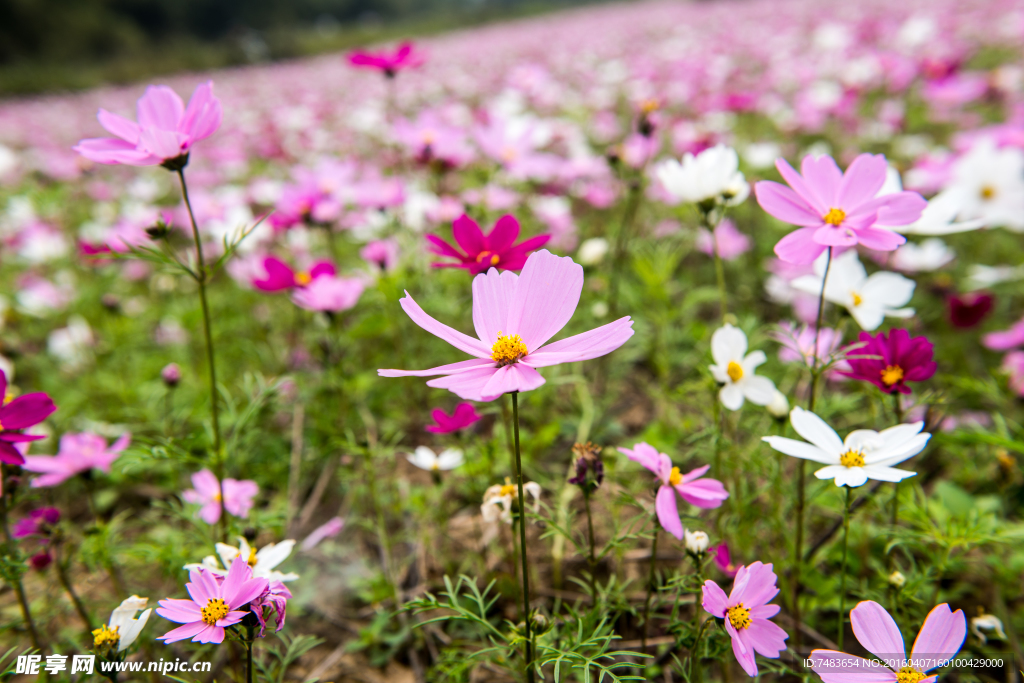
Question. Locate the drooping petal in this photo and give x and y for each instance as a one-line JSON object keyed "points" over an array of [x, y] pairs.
{"points": [[182, 632], [585, 346], [731, 396], [515, 377], [114, 151], [468, 384], [766, 638], [799, 247], [492, 297], [877, 631], [758, 390], [668, 513], [880, 240], [450, 369], [882, 473], [742, 649], [942, 635], [546, 297], [462, 342], [120, 126]]}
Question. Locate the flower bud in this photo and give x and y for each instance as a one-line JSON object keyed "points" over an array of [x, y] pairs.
{"points": [[897, 580], [159, 230], [40, 561], [592, 251], [696, 541], [587, 462], [778, 407], [171, 374]]}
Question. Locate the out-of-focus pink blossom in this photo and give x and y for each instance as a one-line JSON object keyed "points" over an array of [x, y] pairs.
{"points": [[1007, 339], [723, 560], [78, 453], [36, 523], [381, 253], [496, 249], [331, 527], [463, 416], [1013, 365], [280, 276], [329, 294], [405, 56], [730, 242], [237, 495]]}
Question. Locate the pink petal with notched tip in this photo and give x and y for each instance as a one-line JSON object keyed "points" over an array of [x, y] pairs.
{"points": [[585, 346], [880, 240], [182, 632], [862, 181], [695, 474], [756, 586], [159, 107], [766, 638], [715, 601], [492, 297], [876, 630], [503, 235], [468, 235], [668, 513], [645, 454], [801, 188], [120, 126], [742, 649], [546, 296], [832, 236], [203, 115], [461, 341], [799, 247], [903, 209], [450, 369], [205, 483], [942, 635], [179, 611], [211, 634], [706, 493], [515, 377], [823, 178], [839, 667]]}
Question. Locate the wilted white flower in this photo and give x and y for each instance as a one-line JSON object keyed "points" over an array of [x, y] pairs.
{"points": [[712, 175], [987, 622], [734, 369], [897, 580], [498, 500], [696, 541], [778, 407], [123, 628], [427, 459]]}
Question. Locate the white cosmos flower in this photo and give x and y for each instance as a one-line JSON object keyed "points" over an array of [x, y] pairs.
{"points": [[868, 299], [263, 562], [987, 622], [427, 459], [989, 183], [865, 454], [498, 500], [939, 217], [980, 277], [123, 628], [734, 369], [929, 255], [711, 175]]}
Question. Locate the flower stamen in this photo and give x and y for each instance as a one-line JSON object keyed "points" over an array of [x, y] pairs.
{"points": [[739, 616], [674, 478], [852, 458], [508, 349], [105, 635], [486, 255], [987, 192], [834, 217], [734, 370], [302, 278], [252, 557], [909, 674], [857, 299], [215, 610], [892, 374]]}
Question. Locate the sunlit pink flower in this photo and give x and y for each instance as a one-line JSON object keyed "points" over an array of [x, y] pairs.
{"points": [[746, 613], [166, 128], [899, 358], [40, 561], [1007, 339], [213, 606], [703, 493], [36, 523], [238, 495], [723, 559], [431, 139], [280, 276], [730, 242], [329, 293], [18, 414], [514, 316], [463, 416], [78, 453], [940, 638], [389, 63], [837, 209], [483, 252]]}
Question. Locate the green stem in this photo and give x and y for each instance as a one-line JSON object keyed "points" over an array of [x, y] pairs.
{"points": [[522, 542], [650, 584], [898, 409], [201, 279], [248, 658], [622, 243], [62, 576], [723, 294], [695, 672], [842, 580], [592, 560], [19, 589]]}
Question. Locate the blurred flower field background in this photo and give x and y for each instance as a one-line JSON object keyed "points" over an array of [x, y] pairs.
{"points": [[734, 295]]}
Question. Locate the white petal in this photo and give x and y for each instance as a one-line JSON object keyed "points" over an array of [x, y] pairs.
{"points": [[449, 459], [728, 343], [886, 473], [800, 449], [753, 359], [815, 430], [273, 554], [831, 472], [758, 390], [731, 396]]}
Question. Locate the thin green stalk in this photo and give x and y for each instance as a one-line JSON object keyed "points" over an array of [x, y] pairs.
{"points": [[201, 279], [248, 661], [723, 294], [592, 560], [898, 409], [695, 672], [62, 576], [650, 584], [622, 243], [19, 589], [522, 542], [801, 491], [842, 580]]}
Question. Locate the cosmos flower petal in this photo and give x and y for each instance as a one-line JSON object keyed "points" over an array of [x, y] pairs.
{"points": [[492, 297], [546, 297], [876, 630], [668, 512], [597, 342], [815, 430], [839, 667], [450, 369], [942, 634], [461, 341]]}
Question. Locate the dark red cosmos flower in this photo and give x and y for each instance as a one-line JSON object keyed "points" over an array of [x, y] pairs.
{"points": [[40, 561], [389, 63], [483, 252], [967, 310], [901, 359], [463, 416], [18, 414]]}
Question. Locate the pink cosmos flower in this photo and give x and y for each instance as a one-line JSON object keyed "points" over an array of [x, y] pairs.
{"points": [[281, 276], [166, 128], [1013, 365], [836, 209], [1005, 340], [746, 612], [277, 596], [899, 358], [331, 527], [237, 499], [483, 252], [390, 63], [731, 243], [704, 493], [330, 294], [463, 416], [940, 638], [78, 453], [798, 343], [36, 522], [214, 604], [723, 560], [18, 414], [381, 253], [514, 316]]}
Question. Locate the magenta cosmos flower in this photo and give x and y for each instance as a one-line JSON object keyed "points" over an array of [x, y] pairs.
{"points": [[165, 132], [390, 63], [514, 316], [704, 493], [836, 209], [901, 359], [746, 612], [483, 252], [237, 499], [214, 604], [280, 275], [17, 414], [36, 523], [78, 453], [940, 639], [463, 416], [330, 294], [723, 559]]}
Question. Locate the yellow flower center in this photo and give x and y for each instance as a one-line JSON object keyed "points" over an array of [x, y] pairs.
{"points": [[987, 192], [852, 459], [302, 278], [674, 478], [650, 105], [508, 490], [214, 611], [834, 217], [252, 557], [104, 636], [892, 374], [8, 397], [485, 255], [909, 674], [739, 616], [508, 349], [509, 154], [428, 137], [857, 300], [735, 371]]}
